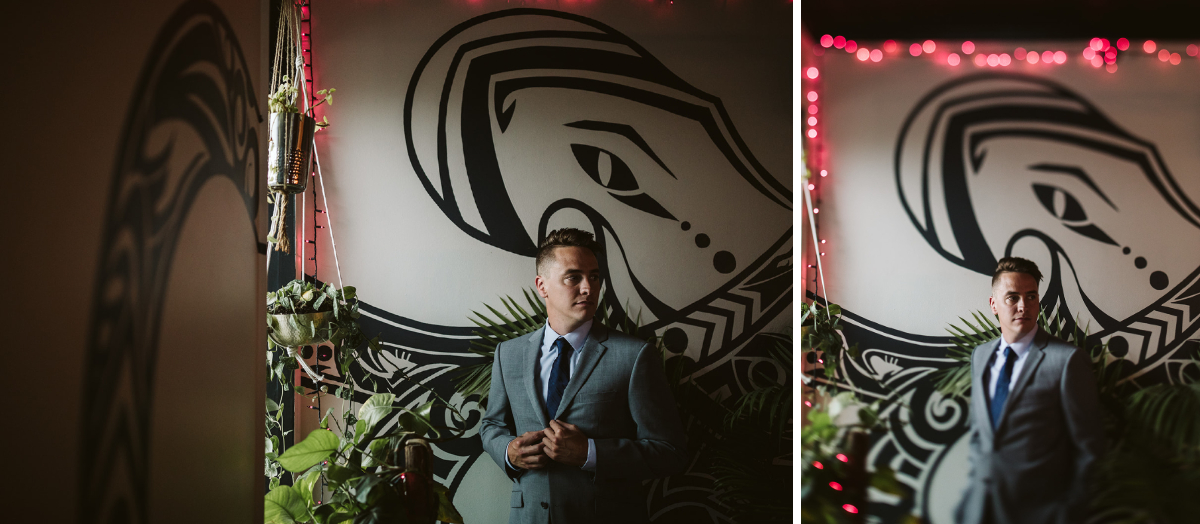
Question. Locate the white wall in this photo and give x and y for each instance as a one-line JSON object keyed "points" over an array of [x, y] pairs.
{"points": [[418, 268]]}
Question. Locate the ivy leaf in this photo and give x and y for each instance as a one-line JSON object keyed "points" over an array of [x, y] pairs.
{"points": [[272, 406], [284, 506], [446, 510], [375, 408], [317, 446]]}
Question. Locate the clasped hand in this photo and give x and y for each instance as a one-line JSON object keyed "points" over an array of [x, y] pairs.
{"points": [[560, 442]]}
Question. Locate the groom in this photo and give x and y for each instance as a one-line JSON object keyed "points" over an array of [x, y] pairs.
{"points": [[1035, 416], [578, 415]]}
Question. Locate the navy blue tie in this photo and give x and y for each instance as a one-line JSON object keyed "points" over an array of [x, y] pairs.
{"points": [[1010, 360], [560, 375]]}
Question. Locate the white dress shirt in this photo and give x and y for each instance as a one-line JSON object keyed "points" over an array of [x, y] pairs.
{"points": [[1021, 348], [546, 356]]}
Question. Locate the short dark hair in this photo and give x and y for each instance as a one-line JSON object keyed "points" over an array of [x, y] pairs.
{"points": [[565, 237], [1016, 265]]}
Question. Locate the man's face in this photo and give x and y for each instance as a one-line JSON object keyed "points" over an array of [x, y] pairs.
{"points": [[1015, 300], [570, 284]]}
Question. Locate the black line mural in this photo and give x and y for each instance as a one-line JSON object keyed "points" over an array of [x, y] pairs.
{"points": [[193, 116], [995, 165], [518, 120]]}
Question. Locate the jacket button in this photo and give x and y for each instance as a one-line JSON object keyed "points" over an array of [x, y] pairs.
{"points": [[545, 506]]}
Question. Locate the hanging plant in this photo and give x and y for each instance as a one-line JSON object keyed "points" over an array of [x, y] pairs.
{"points": [[290, 146], [302, 313]]}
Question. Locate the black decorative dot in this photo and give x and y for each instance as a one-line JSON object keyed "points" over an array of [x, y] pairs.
{"points": [[1140, 262], [685, 226], [724, 262], [675, 339], [1126, 250], [306, 352], [702, 240], [1159, 280], [324, 353], [1118, 346], [811, 357]]}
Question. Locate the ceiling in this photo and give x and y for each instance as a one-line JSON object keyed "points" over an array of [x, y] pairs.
{"points": [[1015, 19]]}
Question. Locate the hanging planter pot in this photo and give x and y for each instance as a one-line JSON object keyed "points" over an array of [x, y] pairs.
{"points": [[299, 329], [290, 152]]}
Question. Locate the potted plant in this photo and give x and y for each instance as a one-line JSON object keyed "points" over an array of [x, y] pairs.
{"points": [[375, 476], [302, 313], [289, 151]]}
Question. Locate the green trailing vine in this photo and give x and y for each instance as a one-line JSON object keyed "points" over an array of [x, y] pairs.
{"points": [[834, 441]]}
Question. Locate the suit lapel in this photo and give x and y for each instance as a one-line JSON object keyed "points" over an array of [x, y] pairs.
{"points": [[979, 365], [530, 366], [593, 349], [1027, 370]]}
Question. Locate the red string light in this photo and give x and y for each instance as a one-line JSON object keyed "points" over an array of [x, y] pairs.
{"points": [[835, 486], [842, 458], [968, 47], [818, 465], [849, 508]]}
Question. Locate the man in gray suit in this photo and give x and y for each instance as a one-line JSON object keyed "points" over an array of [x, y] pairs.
{"points": [[1035, 416], [578, 415]]}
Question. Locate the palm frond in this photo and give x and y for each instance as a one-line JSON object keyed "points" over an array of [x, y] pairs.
{"points": [[955, 381], [476, 379], [1167, 416]]}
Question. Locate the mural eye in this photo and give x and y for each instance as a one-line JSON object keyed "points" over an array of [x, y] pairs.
{"points": [[1065, 207], [1060, 203], [605, 168]]}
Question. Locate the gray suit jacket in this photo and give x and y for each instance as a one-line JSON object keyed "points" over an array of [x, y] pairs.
{"points": [[618, 396], [1033, 467]]}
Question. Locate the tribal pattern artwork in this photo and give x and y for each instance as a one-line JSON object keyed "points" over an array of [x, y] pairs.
{"points": [[194, 116], [995, 165]]}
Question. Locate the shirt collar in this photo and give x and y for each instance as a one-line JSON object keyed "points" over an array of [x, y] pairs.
{"points": [[1020, 346], [575, 338]]}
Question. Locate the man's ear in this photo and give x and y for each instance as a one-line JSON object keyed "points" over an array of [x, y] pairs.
{"points": [[539, 284], [992, 302]]}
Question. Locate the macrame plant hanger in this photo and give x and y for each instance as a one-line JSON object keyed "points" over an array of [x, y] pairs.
{"points": [[291, 148]]}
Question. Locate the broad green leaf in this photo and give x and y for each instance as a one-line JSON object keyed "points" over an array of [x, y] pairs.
{"points": [[446, 510], [360, 428], [316, 447], [377, 448], [339, 474], [375, 408], [417, 420], [272, 405], [284, 506], [304, 485], [340, 517]]}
